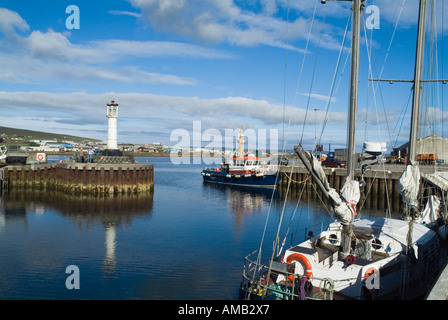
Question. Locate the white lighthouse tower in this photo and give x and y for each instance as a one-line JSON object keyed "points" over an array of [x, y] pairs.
{"points": [[112, 144]]}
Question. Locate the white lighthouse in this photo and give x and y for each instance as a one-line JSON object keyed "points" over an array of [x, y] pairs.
{"points": [[112, 115]]}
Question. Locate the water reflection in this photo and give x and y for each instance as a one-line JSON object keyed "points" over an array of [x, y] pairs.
{"points": [[109, 260], [14, 211], [85, 211], [242, 201]]}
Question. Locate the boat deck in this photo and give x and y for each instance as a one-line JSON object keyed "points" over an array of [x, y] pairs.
{"points": [[440, 179], [322, 251]]}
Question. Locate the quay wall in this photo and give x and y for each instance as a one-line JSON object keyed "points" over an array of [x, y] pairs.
{"points": [[380, 192], [80, 178]]}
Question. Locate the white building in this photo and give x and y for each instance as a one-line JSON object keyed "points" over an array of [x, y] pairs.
{"points": [[428, 145], [433, 144]]}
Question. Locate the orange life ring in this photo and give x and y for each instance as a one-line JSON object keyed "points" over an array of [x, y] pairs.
{"points": [[300, 257], [369, 272], [40, 157]]}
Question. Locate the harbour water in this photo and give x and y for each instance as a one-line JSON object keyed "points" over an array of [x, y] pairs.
{"points": [[186, 240]]}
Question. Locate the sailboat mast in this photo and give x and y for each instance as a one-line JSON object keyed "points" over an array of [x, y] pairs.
{"points": [[417, 82], [353, 107]]}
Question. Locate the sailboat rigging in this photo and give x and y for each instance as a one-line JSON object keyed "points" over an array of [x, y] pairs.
{"points": [[354, 258]]}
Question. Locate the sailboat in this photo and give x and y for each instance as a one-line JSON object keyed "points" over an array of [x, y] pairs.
{"points": [[369, 258]]}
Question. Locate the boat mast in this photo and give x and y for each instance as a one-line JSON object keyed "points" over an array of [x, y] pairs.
{"points": [[240, 145], [354, 75], [345, 216], [417, 82]]}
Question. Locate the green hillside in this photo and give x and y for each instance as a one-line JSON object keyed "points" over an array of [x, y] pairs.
{"points": [[22, 134]]}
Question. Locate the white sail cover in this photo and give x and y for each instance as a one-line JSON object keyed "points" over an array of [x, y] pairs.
{"points": [[408, 185], [350, 196], [350, 192], [317, 168], [431, 212]]}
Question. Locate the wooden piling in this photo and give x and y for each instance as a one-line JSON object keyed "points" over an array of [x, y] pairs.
{"points": [[380, 192], [81, 179]]}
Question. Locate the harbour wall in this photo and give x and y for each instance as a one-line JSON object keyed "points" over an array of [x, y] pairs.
{"points": [[80, 178], [380, 191]]}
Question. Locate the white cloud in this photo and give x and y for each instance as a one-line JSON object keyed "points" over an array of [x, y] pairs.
{"points": [[217, 21], [333, 8], [50, 45], [71, 112], [320, 97], [38, 71], [50, 56], [123, 48], [10, 21], [406, 10], [124, 13]]}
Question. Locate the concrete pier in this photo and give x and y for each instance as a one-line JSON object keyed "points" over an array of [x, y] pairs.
{"points": [[440, 289], [81, 178], [380, 192], [381, 185]]}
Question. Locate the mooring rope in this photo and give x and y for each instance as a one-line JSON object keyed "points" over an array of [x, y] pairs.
{"points": [[295, 181]]}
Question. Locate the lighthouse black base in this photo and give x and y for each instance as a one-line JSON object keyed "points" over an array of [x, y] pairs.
{"points": [[114, 156], [112, 153]]}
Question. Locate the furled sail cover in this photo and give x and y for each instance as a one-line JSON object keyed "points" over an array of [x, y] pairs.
{"points": [[350, 191], [351, 194], [408, 185], [431, 212]]}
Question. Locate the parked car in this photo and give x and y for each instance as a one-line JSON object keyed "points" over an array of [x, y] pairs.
{"points": [[333, 163], [283, 161]]}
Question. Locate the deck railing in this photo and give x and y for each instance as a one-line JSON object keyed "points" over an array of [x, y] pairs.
{"points": [[256, 285]]}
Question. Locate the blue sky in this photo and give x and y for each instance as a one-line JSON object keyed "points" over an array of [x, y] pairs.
{"points": [[227, 63]]}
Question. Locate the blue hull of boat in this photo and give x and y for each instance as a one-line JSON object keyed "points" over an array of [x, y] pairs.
{"points": [[265, 181]]}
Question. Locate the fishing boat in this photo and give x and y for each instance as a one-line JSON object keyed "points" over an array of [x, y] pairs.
{"points": [[244, 169], [368, 258]]}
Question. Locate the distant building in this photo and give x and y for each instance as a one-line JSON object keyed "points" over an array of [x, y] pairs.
{"points": [[428, 145], [43, 142], [340, 154], [146, 149], [142, 149], [174, 149]]}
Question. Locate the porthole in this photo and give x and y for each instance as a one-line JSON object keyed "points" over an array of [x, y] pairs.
{"points": [[377, 244], [333, 238]]}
